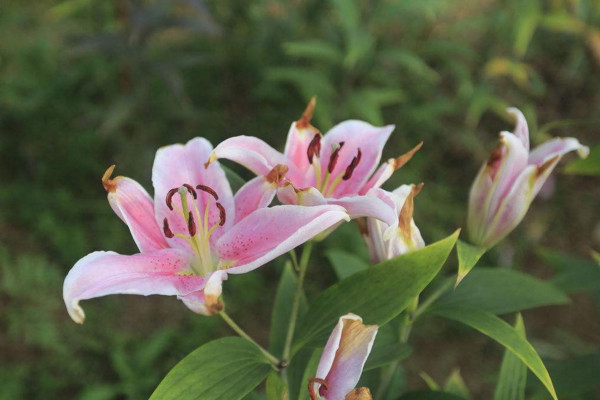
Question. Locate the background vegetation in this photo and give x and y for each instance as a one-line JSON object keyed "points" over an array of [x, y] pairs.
{"points": [[88, 83]]}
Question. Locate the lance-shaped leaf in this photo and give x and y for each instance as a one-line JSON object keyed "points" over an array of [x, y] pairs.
{"points": [[502, 291], [494, 327], [468, 255], [513, 373], [345, 264], [377, 294], [227, 368]]}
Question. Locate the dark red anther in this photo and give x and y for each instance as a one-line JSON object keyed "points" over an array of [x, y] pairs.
{"points": [[166, 229], [170, 195], [222, 214], [314, 147], [191, 190], [352, 166], [208, 190], [334, 157], [191, 224], [311, 387]]}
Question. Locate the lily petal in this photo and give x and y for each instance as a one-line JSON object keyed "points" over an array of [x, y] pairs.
{"points": [[258, 192], [309, 196], [254, 154], [299, 136], [135, 207], [345, 355], [521, 128], [178, 164], [379, 206], [269, 232], [101, 273], [355, 135], [556, 147], [206, 301]]}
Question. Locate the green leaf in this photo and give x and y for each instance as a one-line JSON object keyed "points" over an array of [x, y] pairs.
{"points": [[573, 274], [586, 166], [377, 294], [492, 326], [227, 368], [275, 387], [432, 395], [345, 264], [513, 373], [297, 370], [282, 309], [429, 381], [456, 385], [468, 255], [502, 291], [314, 49], [386, 354]]}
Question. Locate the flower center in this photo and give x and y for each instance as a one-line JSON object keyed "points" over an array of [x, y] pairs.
{"points": [[326, 184], [198, 230]]}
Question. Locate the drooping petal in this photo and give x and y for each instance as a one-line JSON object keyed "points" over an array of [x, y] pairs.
{"points": [[556, 147], [206, 301], [299, 136], [254, 154], [377, 206], [345, 355], [134, 206], [269, 232], [101, 273], [521, 128], [258, 192], [177, 165], [355, 135]]}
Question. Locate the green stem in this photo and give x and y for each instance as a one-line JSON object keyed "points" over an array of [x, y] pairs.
{"points": [[296, 304], [243, 334], [432, 298]]}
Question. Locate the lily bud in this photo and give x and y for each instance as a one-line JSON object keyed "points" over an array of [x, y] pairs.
{"points": [[510, 179]]}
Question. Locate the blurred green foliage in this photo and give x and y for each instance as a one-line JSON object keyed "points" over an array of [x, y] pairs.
{"points": [[88, 83]]}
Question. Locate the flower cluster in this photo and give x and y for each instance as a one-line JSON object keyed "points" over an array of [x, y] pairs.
{"points": [[194, 232]]}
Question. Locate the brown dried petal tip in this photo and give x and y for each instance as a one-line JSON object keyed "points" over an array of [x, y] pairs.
{"points": [[352, 166], [208, 190], [404, 158], [314, 147], [222, 214], [277, 173], [304, 121], [311, 387], [167, 231], [109, 184]]}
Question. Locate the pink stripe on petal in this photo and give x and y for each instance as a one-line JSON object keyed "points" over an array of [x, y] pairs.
{"points": [[270, 232], [164, 272], [135, 207]]}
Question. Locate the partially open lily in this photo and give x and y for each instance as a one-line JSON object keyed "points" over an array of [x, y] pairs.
{"points": [[194, 233], [405, 236], [509, 181], [337, 168], [342, 361]]}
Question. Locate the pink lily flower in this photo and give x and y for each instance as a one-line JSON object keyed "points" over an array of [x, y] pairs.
{"points": [[194, 233], [342, 361], [509, 181], [405, 236], [337, 168]]}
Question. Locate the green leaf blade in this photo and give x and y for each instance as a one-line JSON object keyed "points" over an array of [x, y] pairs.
{"points": [[468, 256], [226, 368], [513, 372], [377, 294], [495, 328]]}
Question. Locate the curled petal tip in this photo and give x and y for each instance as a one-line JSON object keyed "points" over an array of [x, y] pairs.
{"points": [[76, 312], [109, 184], [583, 151], [213, 157]]}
